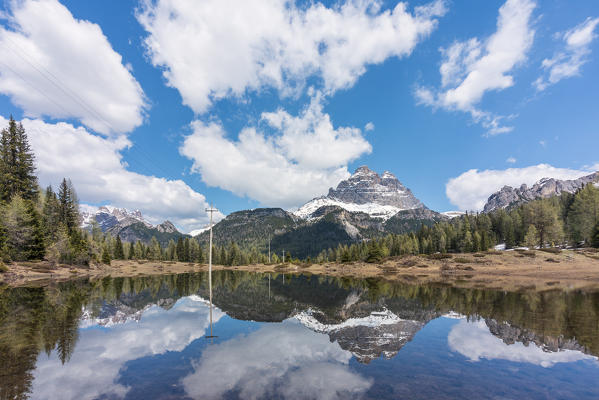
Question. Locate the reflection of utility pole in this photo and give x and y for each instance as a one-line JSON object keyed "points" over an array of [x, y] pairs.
{"points": [[210, 210], [269, 286]]}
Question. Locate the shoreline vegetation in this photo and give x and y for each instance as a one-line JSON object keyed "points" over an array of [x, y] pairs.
{"points": [[538, 270], [41, 240]]}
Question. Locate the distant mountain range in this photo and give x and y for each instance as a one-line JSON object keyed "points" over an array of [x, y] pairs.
{"points": [[363, 206], [130, 226], [544, 188]]}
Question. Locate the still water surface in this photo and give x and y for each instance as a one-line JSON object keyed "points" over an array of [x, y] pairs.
{"points": [[294, 337]]}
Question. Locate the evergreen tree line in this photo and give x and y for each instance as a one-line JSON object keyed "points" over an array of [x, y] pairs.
{"points": [[568, 220], [36, 224], [184, 250]]}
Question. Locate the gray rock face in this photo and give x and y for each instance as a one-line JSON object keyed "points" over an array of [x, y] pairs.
{"points": [[110, 219], [366, 186], [546, 187], [166, 227]]}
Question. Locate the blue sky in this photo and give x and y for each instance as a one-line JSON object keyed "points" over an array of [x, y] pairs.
{"points": [[142, 103]]}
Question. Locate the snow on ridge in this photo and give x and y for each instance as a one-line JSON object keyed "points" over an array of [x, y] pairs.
{"points": [[119, 317], [372, 209], [375, 319], [453, 214], [196, 232], [454, 315]]}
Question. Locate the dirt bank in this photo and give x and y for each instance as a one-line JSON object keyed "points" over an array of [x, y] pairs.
{"points": [[509, 270]]}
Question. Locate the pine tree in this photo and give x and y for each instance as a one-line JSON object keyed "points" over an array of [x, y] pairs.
{"points": [[51, 214], [105, 255], [36, 247], [595, 241], [68, 207], [25, 170], [180, 250], [584, 214], [17, 168], [186, 250], [374, 252], [119, 252], [154, 250], [532, 237], [131, 252], [24, 236]]}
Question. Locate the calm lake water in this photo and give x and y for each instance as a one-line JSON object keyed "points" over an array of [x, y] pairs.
{"points": [[294, 337]]}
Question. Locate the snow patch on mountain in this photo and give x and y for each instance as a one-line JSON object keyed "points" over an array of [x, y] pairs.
{"points": [[196, 232], [365, 191], [453, 214], [375, 319], [372, 209]]}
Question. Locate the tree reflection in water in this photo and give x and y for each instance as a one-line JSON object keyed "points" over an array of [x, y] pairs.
{"points": [[46, 319]]}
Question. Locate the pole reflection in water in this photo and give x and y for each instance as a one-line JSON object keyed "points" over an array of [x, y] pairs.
{"points": [[211, 210]]}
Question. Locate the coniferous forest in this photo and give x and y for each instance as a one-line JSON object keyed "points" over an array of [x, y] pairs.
{"points": [[43, 224]]}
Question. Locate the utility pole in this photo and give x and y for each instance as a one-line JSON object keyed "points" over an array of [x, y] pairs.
{"points": [[210, 210], [269, 249]]}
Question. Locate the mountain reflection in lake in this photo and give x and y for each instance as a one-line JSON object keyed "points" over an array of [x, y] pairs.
{"points": [[300, 338]]}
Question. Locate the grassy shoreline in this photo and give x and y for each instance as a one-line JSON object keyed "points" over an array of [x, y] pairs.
{"points": [[511, 270]]}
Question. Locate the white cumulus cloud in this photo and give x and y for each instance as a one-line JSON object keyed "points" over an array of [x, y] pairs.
{"points": [[306, 156], [95, 166], [218, 48], [55, 65], [470, 190], [568, 61], [473, 67]]}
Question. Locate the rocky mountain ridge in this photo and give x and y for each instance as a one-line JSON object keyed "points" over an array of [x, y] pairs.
{"points": [[365, 191], [129, 225], [364, 206], [544, 188]]}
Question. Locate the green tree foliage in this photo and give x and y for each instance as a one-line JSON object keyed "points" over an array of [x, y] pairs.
{"points": [[374, 252], [24, 239], [544, 216], [532, 237], [595, 240], [119, 251], [68, 208], [51, 214], [181, 250], [105, 255], [17, 169], [583, 215]]}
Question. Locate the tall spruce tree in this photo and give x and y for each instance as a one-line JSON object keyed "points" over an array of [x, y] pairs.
{"points": [[17, 169], [51, 214], [68, 208], [119, 252], [595, 242]]}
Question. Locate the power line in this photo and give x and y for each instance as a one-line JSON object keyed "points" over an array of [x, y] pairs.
{"points": [[56, 82]]}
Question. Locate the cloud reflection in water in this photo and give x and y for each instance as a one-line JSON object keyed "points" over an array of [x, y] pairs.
{"points": [[474, 341], [284, 360], [100, 353]]}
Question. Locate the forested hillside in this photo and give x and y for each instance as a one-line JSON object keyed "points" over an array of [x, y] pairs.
{"points": [[568, 220], [40, 224]]}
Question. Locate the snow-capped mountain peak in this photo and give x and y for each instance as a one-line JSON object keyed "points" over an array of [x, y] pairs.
{"points": [[365, 191], [108, 217]]}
